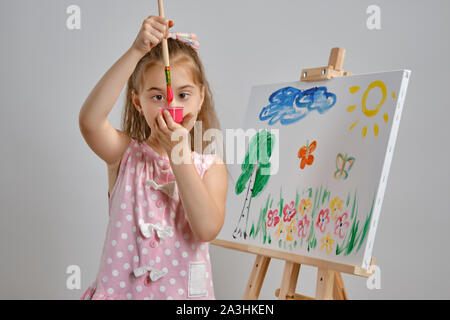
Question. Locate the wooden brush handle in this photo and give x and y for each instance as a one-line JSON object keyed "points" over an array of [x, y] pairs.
{"points": [[165, 48]]}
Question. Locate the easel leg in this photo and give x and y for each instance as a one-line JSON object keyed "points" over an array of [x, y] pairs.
{"points": [[339, 292], [325, 284], [256, 278], [289, 281]]}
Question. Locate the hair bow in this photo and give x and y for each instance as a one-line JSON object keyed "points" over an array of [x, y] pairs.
{"points": [[189, 38], [155, 274], [163, 232]]}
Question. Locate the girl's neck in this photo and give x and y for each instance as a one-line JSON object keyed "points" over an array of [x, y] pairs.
{"points": [[154, 144]]}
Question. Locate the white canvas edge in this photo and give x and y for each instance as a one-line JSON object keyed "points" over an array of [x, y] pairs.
{"points": [[385, 172]]}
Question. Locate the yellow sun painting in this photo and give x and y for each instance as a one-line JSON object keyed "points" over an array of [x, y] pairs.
{"points": [[372, 111]]}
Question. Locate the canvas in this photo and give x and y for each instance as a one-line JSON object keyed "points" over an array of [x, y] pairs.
{"points": [[311, 175]]}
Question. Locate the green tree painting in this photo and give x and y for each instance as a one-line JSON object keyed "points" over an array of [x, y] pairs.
{"points": [[255, 175]]}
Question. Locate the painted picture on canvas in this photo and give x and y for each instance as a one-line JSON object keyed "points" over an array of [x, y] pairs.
{"points": [[312, 175]]}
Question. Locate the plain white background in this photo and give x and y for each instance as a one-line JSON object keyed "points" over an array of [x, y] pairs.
{"points": [[54, 188]]}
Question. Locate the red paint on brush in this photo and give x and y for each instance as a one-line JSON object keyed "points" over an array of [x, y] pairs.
{"points": [[169, 96]]}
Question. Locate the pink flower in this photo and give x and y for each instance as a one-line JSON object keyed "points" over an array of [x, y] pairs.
{"points": [[323, 220], [341, 225], [272, 218], [289, 212], [303, 226]]}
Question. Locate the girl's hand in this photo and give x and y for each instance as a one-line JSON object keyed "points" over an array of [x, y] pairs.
{"points": [[166, 126], [154, 29]]}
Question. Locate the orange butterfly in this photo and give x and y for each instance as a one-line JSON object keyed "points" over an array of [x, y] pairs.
{"points": [[305, 154]]}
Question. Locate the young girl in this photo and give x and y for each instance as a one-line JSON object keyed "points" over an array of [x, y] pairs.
{"points": [[162, 211]]}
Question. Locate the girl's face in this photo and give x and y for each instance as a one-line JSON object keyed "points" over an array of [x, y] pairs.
{"points": [[154, 91]]}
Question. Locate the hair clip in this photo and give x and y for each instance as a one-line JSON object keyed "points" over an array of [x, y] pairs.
{"points": [[189, 38]]}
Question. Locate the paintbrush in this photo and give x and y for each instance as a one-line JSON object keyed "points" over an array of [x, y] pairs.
{"points": [[165, 51]]}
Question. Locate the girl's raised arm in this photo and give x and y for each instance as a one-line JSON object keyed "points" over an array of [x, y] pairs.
{"points": [[99, 133]]}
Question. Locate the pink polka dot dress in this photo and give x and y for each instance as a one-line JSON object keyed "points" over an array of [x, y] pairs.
{"points": [[150, 251]]}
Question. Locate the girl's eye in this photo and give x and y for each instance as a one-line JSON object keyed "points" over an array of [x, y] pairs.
{"points": [[184, 95], [158, 97]]}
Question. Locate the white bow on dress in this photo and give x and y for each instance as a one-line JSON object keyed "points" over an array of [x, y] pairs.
{"points": [[155, 274], [163, 232]]}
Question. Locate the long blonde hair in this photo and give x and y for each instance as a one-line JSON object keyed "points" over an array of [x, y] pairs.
{"points": [[135, 125]]}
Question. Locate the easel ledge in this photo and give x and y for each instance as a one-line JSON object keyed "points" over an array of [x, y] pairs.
{"points": [[292, 257]]}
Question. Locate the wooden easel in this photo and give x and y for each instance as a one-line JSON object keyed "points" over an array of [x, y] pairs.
{"points": [[329, 283]]}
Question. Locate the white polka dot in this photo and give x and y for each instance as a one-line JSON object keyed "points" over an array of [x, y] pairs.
{"points": [[144, 251], [160, 163], [172, 281], [140, 192], [154, 197], [202, 246], [167, 252], [110, 291], [114, 242], [109, 261], [134, 229], [122, 284], [141, 221], [123, 206], [182, 273], [128, 188], [136, 181], [139, 239], [136, 209], [118, 224], [172, 215], [119, 254], [129, 295], [151, 262], [126, 266], [115, 273], [193, 246], [158, 259], [132, 199], [162, 288], [184, 254], [186, 235], [139, 288], [105, 278], [144, 203], [169, 298], [150, 214], [151, 169], [175, 262], [136, 259], [132, 170], [128, 217], [138, 154], [130, 247], [124, 236]]}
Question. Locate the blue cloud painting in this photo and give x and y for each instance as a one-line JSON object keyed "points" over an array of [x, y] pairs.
{"points": [[289, 104]]}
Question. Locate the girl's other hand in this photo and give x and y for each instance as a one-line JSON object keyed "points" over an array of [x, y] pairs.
{"points": [[153, 30]]}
